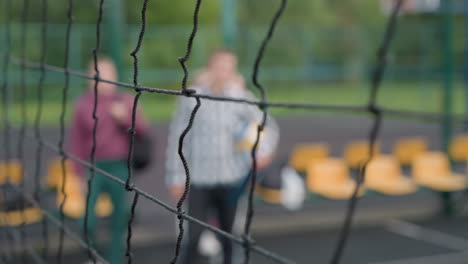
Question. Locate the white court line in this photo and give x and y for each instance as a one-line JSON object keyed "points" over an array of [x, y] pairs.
{"points": [[451, 258], [427, 235]]}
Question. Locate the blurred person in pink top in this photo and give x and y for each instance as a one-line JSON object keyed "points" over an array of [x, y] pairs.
{"points": [[114, 110]]}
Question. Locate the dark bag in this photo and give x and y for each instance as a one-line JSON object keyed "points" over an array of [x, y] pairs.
{"points": [[142, 148], [142, 152]]}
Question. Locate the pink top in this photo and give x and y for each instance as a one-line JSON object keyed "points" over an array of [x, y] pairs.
{"points": [[112, 137]]}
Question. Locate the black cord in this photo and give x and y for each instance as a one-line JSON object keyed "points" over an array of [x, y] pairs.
{"points": [[130, 157], [377, 113], [61, 143], [129, 253], [187, 92], [337, 108], [348, 109], [188, 52], [260, 128], [181, 201], [134, 53], [37, 125], [95, 117], [129, 183]]}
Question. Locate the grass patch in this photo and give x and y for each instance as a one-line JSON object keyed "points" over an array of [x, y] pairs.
{"points": [[411, 96]]}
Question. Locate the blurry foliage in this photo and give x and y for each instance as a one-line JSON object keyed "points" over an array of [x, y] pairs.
{"points": [[159, 12], [180, 12], [259, 12], [163, 44], [312, 35]]}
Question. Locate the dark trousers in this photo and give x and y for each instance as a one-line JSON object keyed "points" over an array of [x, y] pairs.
{"points": [[201, 200]]}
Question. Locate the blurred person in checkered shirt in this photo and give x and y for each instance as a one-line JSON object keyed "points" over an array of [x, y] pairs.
{"points": [[217, 149]]}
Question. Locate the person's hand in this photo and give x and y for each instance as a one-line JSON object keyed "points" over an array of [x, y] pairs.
{"points": [[176, 191], [263, 162], [119, 112]]}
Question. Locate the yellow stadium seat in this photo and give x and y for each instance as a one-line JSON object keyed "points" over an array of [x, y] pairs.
{"points": [[75, 203], [432, 170], [406, 150], [330, 178], [54, 173], [458, 148], [75, 200], [383, 174], [10, 172], [74, 206], [269, 195], [305, 154], [19, 217], [356, 153]]}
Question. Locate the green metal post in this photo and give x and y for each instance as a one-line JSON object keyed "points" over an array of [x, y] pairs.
{"points": [[229, 23], [113, 30], [447, 92]]}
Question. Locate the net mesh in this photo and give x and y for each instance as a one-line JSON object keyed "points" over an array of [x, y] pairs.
{"points": [[12, 235]]}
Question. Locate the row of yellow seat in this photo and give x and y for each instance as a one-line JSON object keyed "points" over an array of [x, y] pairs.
{"points": [[76, 201], [74, 207], [325, 175], [330, 177], [12, 172]]}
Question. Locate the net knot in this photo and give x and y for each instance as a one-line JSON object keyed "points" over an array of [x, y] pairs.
{"points": [[248, 241], [180, 213], [131, 131], [382, 54], [189, 92], [62, 153], [262, 105], [137, 88], [261, 127], [129, 187], [375, 110]]}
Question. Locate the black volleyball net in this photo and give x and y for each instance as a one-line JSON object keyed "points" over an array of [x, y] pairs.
{"points": [[15, 238]]}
